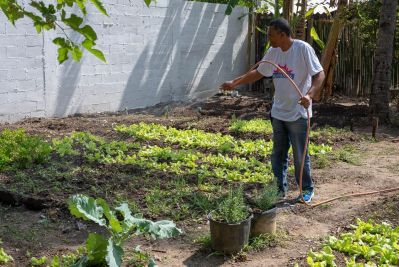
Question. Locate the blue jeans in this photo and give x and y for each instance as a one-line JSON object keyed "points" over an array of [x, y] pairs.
{"points": [[286, 133]]}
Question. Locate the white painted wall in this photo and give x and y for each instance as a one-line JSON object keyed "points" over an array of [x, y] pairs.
{"points": [[174, 50]]}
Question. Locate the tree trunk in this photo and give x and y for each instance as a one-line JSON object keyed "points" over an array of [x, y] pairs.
{"points": [[329, 80], [300, 32], [328, 54], [287, 9], [382, 65]]}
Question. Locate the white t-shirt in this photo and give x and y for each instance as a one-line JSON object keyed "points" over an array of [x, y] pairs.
{"points": [[301, 63]]}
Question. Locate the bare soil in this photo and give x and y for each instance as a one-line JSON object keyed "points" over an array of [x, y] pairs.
{"points": [[46, 228]]}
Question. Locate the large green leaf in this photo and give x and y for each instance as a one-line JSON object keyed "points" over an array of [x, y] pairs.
{"points": [[96, 246], [113, 222], [147, 2], [310, 12], [62, 54], [99, 6], [114, 254], [128, 219], [160, 229], [316, 38], [88, 44], [98, 54], [77, 53], [86, 208], [73, 21], [164, 229], [60, 41], [88, 32]]}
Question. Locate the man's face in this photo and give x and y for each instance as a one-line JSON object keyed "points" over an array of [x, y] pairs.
{"points": [[275, 37]]}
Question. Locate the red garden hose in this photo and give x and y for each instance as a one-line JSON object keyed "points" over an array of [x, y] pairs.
{"points": [[306, 145]]}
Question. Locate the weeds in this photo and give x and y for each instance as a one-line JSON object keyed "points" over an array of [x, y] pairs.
{"points": [[347, 153], [321, 161]]}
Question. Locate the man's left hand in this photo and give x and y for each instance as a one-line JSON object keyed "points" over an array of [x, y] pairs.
{"points": [[305, 101]]}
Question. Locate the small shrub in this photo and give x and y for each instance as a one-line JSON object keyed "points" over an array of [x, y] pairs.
{"points": [[232, 209], [267, 198]]}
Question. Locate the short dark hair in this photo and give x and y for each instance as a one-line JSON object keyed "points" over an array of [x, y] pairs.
{"points": [[281, 25]]}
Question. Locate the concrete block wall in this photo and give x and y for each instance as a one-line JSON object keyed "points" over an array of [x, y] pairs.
{"points": [[174, 50]]}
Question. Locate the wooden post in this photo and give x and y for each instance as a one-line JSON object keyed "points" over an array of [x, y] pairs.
{"points": [[375, 127]]}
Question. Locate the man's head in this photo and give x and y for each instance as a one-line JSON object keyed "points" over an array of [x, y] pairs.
{"points": [[279, 32]]}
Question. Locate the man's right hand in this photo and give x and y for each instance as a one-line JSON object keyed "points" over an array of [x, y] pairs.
{"points": [[227, 86]]}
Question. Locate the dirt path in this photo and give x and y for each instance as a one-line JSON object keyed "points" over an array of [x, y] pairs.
{"points": [[306, 227]]}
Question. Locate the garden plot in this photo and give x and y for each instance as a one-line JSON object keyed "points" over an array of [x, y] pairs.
{"points": [[175, 168]]}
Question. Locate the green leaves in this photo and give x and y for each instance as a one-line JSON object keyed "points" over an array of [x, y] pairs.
{"points": [[316, 38], [4, 257], [113, 222], [114, 254], [99, 249], [12, 10], [86, 208], [88, 32], [88, 44], [322, 258], [47, 17], [310, 12], [376, 244], [163, 229], [254, 126], [19, 150], [69, 47], [99, 5], [73, 21]]}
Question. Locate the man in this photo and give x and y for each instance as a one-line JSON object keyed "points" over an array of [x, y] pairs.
{"points": [[288, 114]]}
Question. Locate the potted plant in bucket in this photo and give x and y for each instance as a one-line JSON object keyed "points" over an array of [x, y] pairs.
{"points": [[230, 223], [265, 211]]}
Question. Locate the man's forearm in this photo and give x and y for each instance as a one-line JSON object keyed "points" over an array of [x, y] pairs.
{"points": [[315, 89], [250, 77]]}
